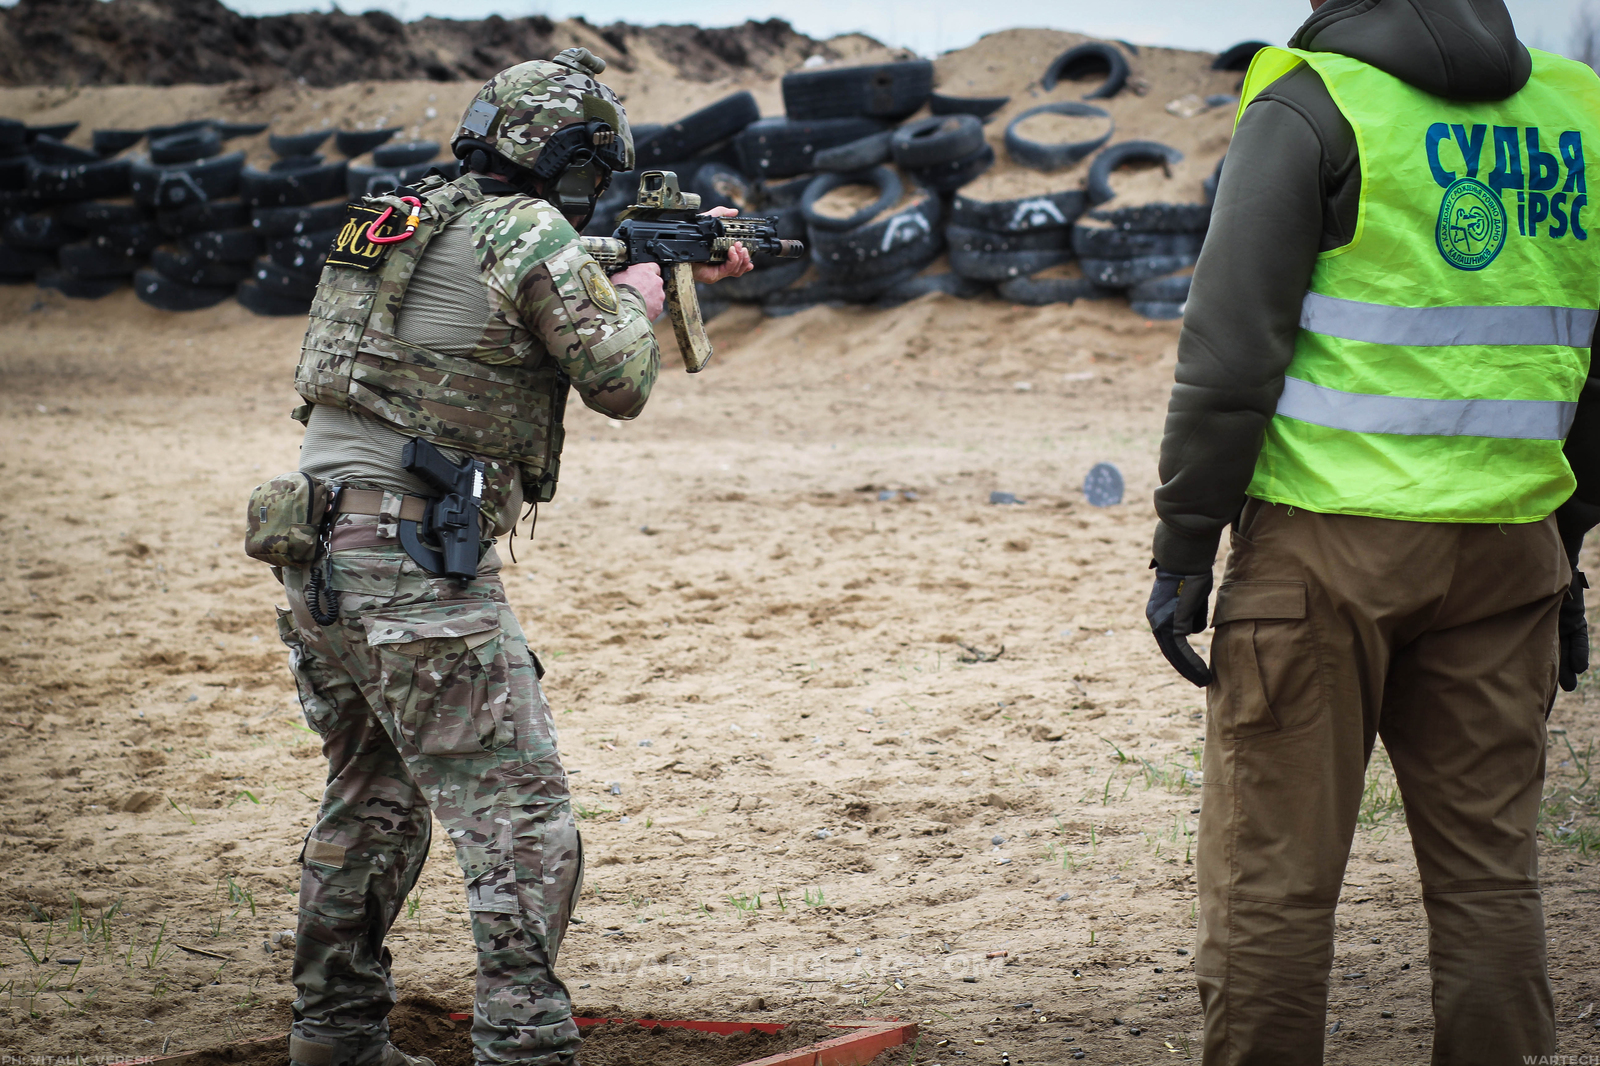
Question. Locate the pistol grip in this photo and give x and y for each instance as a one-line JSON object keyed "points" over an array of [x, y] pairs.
{"points": [[683, 307]]}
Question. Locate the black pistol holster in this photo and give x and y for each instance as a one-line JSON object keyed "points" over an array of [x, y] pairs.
{"points": [[451, 520]]}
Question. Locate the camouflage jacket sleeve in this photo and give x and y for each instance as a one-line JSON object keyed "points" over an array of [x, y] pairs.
{"points": [[542, 281]]}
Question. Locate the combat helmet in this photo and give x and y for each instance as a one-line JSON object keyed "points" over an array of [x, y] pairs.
{"points": [[552, 128]]}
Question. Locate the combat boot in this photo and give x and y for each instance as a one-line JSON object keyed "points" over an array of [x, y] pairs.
{"points": [[303, 1052]]}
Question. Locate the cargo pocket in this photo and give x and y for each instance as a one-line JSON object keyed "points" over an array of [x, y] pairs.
{"points": [[1267, 659], [319, 711], [444, 674]]}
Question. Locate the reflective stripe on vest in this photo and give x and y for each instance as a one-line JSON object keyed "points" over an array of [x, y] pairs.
{"points": [[1357, 412], [1435, 327], [1441, 351]]}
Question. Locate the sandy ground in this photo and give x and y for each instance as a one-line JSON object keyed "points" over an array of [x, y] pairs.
{"points": [[801, 799], [755, 603]]}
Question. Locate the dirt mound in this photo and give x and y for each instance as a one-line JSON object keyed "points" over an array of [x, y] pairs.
{"points": [[167, 42]]}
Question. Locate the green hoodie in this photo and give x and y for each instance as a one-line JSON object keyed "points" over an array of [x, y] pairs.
{"points": [[1290, 190]]}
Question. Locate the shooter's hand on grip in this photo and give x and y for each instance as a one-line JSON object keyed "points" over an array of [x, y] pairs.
{"points": [[736, 265]]}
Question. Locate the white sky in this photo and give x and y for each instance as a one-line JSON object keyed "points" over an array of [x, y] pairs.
{"points": [[932, 26]]}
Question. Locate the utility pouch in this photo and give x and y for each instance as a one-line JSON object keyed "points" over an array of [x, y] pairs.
{"points": [[283, 525]]}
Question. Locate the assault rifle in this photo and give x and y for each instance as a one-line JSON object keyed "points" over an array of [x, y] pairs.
{"points": [[663, 226]]}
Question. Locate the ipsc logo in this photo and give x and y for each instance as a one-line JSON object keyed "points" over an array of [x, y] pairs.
{"points": [[1472, 225]]}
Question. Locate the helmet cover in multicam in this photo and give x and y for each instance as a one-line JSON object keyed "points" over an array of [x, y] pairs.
{"points": [[518, 109]]}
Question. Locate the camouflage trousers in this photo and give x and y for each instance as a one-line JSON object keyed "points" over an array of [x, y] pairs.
{"points": [[426, 698]]}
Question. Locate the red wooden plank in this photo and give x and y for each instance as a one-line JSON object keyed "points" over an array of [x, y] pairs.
{"points": [[856, 1048]]}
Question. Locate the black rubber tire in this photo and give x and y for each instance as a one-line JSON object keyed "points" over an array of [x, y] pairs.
{"points": [[1039, 292], [85, 260], [222, 245], [130, 240], [1058, 210], [304, 254], [784, 147], [13, 137], [719, 185], [1238, 57], [202, 143], [1117, 155], [259, 301], [168, 294], [1126, 273], [869, 151], [987, 255], [885, 180], [763, 281], [1157, 218], [297, 162], [14, 172], [980, 107], [1211, 183], [1108, 242], [1170, 288], [406, 154], [822, 290], [922, 284], [888, 91], [58, 131], [102, 179], [24, 262], [110, 142], [230, 130], [948, 177], [183, 184], [352, 143], [909, 239], [78, 288], [784, 193], [95, 215], [266, 188], [155, 133], [285, 145], [1087, 59], [215, 214], [51, 152], [274, 279], [185, 266], [1158, 310], [941, 139], [1048, 157], [284, 221], [39, 231], [375, 181], [695, 132]]}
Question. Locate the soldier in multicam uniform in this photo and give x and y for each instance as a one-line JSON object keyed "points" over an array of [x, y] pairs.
{"points": [[466, 334]]}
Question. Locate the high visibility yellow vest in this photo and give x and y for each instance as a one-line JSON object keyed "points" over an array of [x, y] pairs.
{"points": [[1441, 352]]}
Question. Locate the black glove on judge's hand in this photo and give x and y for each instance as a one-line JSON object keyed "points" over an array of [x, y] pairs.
{"points": [[1574, 629], [1177, 608]]}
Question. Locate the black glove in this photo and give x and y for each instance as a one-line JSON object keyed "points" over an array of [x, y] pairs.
{"points": [[1574, 629], [1177, 608]]}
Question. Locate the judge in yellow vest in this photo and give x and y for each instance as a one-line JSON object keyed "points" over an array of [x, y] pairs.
{"points": [[1380, 386]]}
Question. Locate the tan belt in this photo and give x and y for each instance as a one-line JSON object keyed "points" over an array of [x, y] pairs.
{"points": [[370, 502]]}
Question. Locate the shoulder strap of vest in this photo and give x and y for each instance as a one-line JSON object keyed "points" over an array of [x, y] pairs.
{"points": [[1268, 66]]}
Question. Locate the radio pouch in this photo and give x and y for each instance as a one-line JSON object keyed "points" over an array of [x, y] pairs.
{"points": [[283, 525]]}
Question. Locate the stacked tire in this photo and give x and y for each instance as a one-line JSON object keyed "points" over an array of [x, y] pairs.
{"points": [[1146, 250], [192, 185]]}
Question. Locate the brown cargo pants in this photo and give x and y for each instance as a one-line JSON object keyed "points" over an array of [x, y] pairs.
{"points": [[1440, 638]]}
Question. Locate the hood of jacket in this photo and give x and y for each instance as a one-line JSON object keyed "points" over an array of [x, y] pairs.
{"points": [[1458, 49]]}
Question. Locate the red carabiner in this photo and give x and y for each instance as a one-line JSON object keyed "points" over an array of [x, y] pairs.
{"points": [[412, 222]]}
